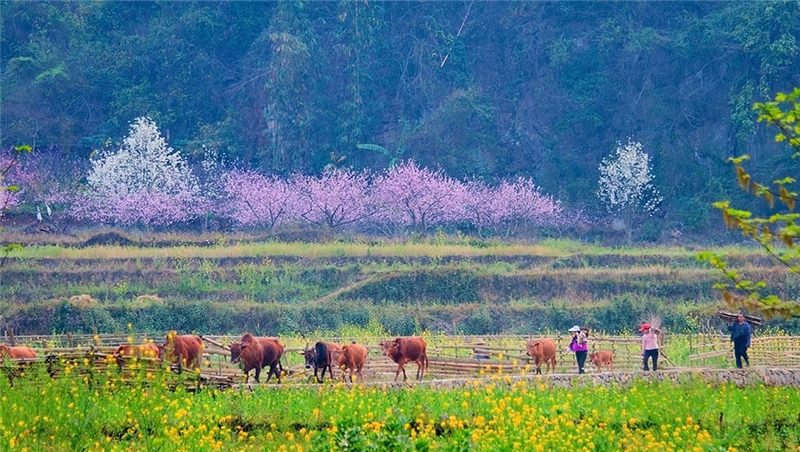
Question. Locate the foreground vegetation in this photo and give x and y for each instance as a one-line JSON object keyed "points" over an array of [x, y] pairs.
{"points": [[102, 411], [454, 285]]}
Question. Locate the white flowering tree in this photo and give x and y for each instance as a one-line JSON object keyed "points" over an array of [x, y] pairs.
{"points": [[143, 182], [625, 185]]}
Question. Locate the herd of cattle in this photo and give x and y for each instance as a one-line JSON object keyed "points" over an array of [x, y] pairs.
{"points": [[258, 353]]}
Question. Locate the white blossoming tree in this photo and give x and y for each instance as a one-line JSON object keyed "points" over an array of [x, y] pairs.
{"points": [[143, 182], [625, 186]]}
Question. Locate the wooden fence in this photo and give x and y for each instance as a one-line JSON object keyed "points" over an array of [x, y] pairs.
{"points": [[451, 356], [717, 351]]}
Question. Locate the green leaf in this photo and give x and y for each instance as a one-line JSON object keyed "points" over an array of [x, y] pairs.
{"points": [[11, 247]]}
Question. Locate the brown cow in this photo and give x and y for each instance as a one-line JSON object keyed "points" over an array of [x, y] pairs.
{"points": [[353, 357], [184, 350], [258, 353], [142, 350], [273, 352], [542, 351], [250, 353], [320, 357], [404, 350], [603, 358], [16, 352]]}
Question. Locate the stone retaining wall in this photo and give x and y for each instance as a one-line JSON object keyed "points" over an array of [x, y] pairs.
{"points": [[739, 377]]}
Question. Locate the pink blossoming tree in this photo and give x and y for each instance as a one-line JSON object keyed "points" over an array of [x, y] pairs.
{"points": [[509, 207], [49, 181], [337, 197], [254, 200], [417, 198]]}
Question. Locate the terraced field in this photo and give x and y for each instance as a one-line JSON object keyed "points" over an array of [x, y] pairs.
{"points": [[289, 288]]}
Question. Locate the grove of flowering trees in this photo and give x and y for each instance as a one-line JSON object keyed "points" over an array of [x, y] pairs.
{"points": [[401, 200], [145, 183]]}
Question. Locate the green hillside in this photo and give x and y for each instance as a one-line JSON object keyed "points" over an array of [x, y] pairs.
{"points": [[285, 288]]}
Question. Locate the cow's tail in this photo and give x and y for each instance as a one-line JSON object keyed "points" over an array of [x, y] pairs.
{"points": [[426, 362]]}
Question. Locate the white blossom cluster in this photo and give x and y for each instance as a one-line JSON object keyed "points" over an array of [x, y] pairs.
{"points": [[625, 180], [143, 164]]}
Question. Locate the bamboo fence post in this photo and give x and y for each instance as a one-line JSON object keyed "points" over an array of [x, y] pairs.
{"points": [[69, 340], [11, 336], [213, 342]]}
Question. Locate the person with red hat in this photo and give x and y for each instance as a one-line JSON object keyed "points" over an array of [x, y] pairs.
{"points": [[649, 346]]}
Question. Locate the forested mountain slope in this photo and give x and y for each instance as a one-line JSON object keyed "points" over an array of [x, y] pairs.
{"points": [[483, 89]]}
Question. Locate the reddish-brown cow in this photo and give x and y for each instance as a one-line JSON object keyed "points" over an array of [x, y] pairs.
{"points": [[352, 357], [258, 353], [142, 350], [603, 358], [16, 352], [404, 350], [542, 351], [250, 353], [185, 351], [273, 352]]}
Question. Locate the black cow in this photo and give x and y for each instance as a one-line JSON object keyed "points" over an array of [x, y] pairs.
{"points": [[319, 357]]}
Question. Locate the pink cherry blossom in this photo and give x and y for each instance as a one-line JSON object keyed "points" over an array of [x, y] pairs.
{"points": [[418, 198], [251, 199], [335, 198]]}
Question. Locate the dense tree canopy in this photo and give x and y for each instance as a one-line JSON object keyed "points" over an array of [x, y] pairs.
{"points": [[486, 90]]}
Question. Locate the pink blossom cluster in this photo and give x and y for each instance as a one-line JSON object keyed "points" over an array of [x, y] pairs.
{"points": [[405, 198], [502, 209], [44, 177], [252, 199], [149, 208], [335, 198]]}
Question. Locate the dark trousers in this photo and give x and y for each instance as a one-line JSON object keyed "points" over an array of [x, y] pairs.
{"points": [[581, 358], [647, 355], [740, 351]]}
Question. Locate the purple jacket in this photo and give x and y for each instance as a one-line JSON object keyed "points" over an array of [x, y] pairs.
{"points": [[576, 347]]}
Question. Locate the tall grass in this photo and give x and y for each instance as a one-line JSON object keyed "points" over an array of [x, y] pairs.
{"points": [[553, 248]]}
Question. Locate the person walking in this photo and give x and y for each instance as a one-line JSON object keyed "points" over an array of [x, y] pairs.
{"points": [[579, 345], [649, 346], [740, 336]]}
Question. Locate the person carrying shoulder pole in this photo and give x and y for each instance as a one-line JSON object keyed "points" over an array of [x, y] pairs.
{"points": [[740, 336]]}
